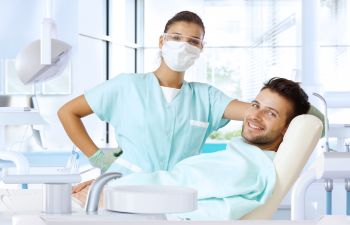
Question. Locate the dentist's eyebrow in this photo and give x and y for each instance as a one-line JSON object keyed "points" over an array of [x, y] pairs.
{"points": [[195, 37]]}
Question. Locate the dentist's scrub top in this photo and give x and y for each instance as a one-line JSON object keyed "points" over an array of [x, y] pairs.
{"points": [[153, 133]]}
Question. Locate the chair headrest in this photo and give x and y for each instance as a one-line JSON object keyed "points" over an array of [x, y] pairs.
{"points": [[299, 141]]}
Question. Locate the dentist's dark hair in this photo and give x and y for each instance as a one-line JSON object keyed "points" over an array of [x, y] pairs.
{"points": [[291, 91], [185, 16]]}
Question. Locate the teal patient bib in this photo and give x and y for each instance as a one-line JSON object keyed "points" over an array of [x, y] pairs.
{"points": [[230, 183]]}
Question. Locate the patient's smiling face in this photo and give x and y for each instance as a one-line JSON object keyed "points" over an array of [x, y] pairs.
{"points": [[266, 120]]}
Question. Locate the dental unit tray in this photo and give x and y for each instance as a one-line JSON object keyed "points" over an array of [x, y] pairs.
{"points": [[150, 199]]}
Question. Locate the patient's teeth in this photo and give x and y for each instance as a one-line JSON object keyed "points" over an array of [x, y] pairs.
{"points": [[254, 127]]}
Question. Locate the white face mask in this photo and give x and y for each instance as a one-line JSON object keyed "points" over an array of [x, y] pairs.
{"points": [[179, 56]]}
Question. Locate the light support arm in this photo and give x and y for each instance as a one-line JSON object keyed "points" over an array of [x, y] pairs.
{"points": [[48, 30], [45, 43]]}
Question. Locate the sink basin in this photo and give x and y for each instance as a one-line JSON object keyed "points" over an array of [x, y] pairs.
{"points": [[150, 199]]}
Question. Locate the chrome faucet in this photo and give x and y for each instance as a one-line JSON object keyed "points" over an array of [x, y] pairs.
{"points": [[95, 191]]}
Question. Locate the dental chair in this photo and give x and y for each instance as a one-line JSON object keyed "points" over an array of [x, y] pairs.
{"points": [[298, 143]]}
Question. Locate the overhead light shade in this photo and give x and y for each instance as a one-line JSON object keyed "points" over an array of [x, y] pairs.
{"points": [[28, 67]]}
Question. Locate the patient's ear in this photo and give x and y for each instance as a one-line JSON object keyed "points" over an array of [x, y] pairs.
{"points": [[315, 112]]}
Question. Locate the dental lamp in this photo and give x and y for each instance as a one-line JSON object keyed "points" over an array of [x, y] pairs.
{"points": [[46, 58], [38, 62], [43, 59], [28, 62]]}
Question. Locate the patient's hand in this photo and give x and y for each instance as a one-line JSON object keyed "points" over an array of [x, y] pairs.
{"points": [[80, 193], [81, 196], [79, 187]]}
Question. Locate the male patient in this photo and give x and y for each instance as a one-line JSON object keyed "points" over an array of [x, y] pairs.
{"points": [[233, 182]]}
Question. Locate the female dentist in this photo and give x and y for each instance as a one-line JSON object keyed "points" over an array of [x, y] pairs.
{"points": [[159, 118]]}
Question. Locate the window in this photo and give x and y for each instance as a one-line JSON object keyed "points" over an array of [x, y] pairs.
{"points": [[335, 45], [250, 41], [123, 32]]}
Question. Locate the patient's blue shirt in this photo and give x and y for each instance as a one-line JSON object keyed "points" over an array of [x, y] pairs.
{"points": [[230, 183]]}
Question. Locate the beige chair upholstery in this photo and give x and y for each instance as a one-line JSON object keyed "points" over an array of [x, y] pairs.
{"points": [[299, 141]]}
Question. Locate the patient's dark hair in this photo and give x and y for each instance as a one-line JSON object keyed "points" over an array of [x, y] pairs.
{"points": [[292, 92], [185, 16]]}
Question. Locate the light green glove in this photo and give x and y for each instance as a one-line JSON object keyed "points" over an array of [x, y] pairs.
{"points": [[104, 157]]}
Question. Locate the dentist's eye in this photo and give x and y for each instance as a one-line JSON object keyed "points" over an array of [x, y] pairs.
{"points": [[194, 42], [176, 38]]}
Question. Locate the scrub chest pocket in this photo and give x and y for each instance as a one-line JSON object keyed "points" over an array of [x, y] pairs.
{"points": [[197, 131]]}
